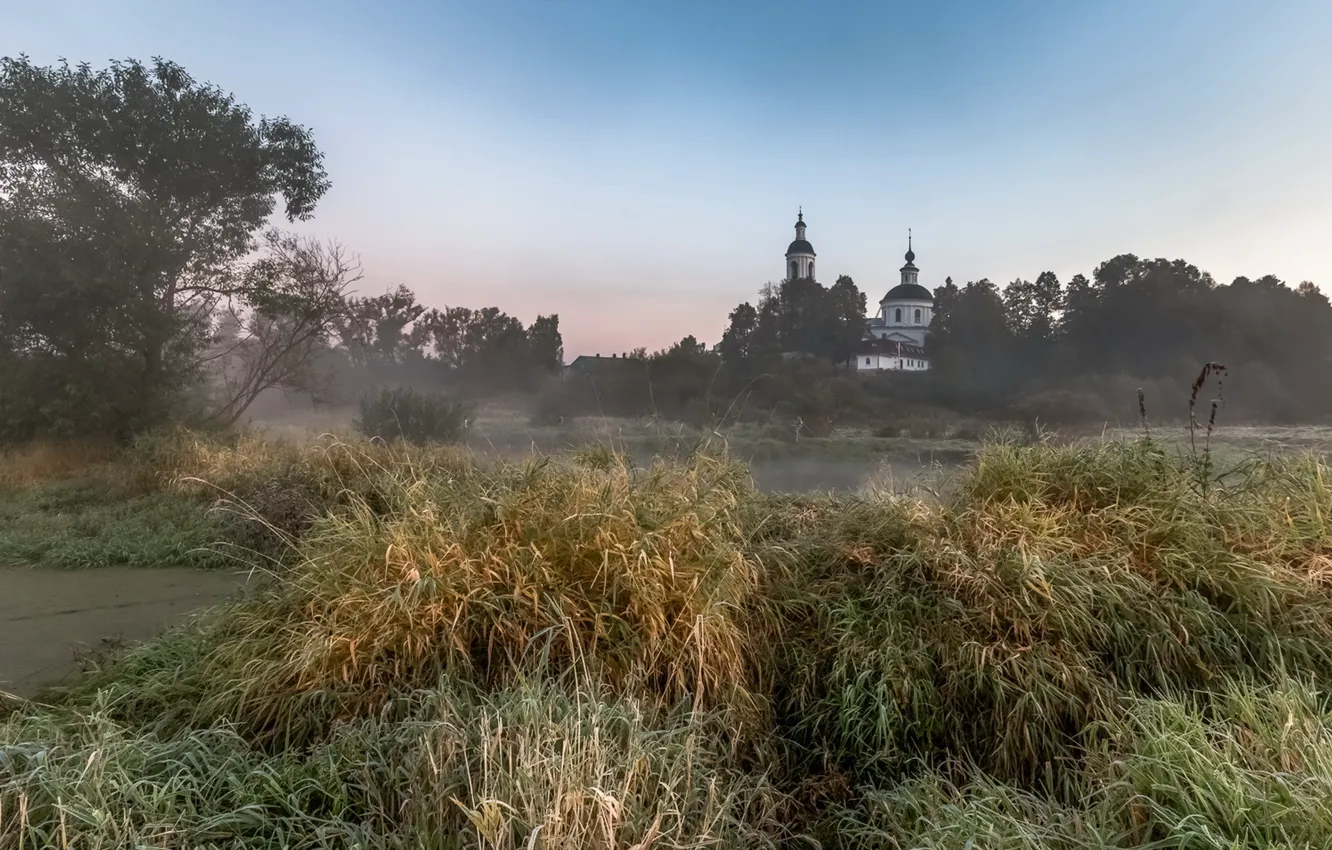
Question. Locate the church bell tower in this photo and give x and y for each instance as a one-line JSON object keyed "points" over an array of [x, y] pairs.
{"points": [[800, 254]]}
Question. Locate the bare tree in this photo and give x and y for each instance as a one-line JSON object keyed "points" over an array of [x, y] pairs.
{"points": [[295, 297]]}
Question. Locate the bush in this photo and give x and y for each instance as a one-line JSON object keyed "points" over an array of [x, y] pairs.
{"points": [[416, 417], [272, 517]]}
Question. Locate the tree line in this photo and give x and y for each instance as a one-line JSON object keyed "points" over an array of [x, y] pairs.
{"points": [[145, 278], [1033, 350], [1135, 322]]}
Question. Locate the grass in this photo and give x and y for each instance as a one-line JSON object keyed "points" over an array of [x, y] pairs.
{"points": [[1077, 646], [48, 460], [81, 523]]}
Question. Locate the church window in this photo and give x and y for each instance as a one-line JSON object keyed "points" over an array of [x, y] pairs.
{"points": [[794, 270], [918, 316], [867, 361], [897, 315], [811, 271]]}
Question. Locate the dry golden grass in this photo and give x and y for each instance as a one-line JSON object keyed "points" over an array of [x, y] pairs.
{"points": [[1080, 646], [49, 460], [429, 565]]}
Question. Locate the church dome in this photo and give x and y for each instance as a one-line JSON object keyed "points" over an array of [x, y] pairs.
{"points": [[800, 246], [908, 292]]}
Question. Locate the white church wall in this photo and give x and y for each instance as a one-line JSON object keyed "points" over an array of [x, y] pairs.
{"points": [[886, 362]]}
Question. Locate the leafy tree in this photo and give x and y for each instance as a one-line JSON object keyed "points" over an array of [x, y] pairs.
{"points": [[485, 346], [546, 344], [844, 318], [128, 198], [971, 344], [941, 324], [801, 312], [1032, 311], [382, 330], [1032, 307], [736, 343]]}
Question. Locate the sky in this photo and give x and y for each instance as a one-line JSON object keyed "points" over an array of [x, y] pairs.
{"points": [[636, 166]]}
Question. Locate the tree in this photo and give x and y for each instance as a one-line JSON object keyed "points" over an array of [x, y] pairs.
{"points": [[970, 342], [802, 326], [382, 330], [1032, 310], [844, 318], [488, 347], [276, 343], [736, 342], [546, 344], [128, 199], [682, 377]]}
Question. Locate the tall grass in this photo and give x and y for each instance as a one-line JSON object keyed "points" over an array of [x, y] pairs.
{"points": [[1076, 647], [50, 460], [632, 578], [531, 765], [1008, 626]]}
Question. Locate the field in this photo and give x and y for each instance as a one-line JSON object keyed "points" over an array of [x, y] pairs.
{"points": [[624, 635]]}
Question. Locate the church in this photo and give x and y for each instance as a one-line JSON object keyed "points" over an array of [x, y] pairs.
{"points": [[895, 336]]}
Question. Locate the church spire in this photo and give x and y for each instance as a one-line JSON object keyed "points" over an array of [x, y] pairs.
{"points": [[910, 273]]}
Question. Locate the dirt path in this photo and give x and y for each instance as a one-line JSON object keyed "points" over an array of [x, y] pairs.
{"points": [[46, 615]]}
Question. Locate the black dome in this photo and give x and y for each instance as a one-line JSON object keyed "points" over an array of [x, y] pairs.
{"points": [[908, 292], [910, 256], [800, 246]]}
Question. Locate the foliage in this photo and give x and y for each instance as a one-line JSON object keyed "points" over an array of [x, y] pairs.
{"points": [[391, 338], [1145, 320], [129, 198], [417, 417], [798, 316]]}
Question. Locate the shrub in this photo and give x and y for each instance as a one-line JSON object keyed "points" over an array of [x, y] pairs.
{"points": [[413, 416], [269, 519]]}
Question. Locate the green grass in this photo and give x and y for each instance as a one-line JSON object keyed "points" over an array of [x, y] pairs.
{"points": [[1079, 646], [88, 522]]}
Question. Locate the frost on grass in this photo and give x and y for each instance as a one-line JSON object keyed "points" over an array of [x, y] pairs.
{"points": [[1076, 647]]}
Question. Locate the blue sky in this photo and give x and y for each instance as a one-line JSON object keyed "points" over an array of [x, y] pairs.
{"points": [[636, 166]]}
